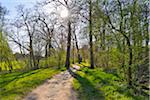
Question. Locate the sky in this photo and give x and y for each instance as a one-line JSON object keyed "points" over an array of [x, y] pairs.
{"points": [[12, 4]]}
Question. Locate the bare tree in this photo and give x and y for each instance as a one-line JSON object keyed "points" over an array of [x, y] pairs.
{"points": [[29, 25]]}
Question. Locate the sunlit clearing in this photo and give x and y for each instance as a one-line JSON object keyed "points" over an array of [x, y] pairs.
{"points": [[64, 13]]}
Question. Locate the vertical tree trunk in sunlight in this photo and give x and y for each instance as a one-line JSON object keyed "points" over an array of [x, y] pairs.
{"points": [[68, 46], [90, 36]]}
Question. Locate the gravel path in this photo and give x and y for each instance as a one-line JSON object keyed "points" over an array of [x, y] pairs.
{"points": [[57, 88]]}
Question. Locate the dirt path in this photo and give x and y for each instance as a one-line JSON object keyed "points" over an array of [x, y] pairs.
{"points": [[57, 88]]}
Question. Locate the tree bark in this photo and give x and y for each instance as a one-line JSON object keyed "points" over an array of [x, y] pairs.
{"points": [[130, 63], [49, 47], [73, 58], [32, 58], [67, 64], [78, 53], [147, 31], [91, 36]]}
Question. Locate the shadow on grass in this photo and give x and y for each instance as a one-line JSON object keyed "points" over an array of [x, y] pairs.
{"points": [[20, 83], [6, 79], [87, 91], [11, 92], [118, 86], [23, 90]]}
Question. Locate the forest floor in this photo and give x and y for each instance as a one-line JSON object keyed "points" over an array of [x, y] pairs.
{"points": [[57, 88]]}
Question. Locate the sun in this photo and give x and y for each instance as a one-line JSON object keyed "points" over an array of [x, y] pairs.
{"points": [[64, 13]]}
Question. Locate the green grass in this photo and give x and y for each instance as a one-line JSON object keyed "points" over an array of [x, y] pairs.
{"points": [[99, 85], [83, 64], [15, 86]]}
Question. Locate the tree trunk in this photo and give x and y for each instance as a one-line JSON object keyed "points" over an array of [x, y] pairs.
{"points": [[73, 58], [46, 55], [49, 47], [78, 53], [103, 38], [32, 58], [147, 32], [130, 62], [68, 46], [59, 59], [90, 36], [46, 50]]}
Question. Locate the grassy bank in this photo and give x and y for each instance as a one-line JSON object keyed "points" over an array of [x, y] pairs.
{"points": [[99, 85], [15, 86], [15, 65]]}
